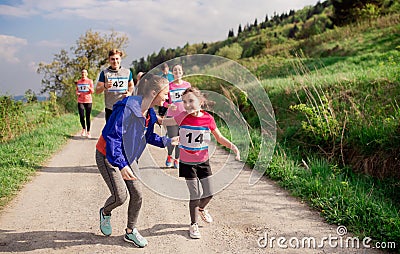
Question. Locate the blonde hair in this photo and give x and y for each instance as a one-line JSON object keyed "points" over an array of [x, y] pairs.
{"points": [[149, 83]]}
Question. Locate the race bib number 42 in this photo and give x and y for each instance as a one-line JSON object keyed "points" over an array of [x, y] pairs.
{"points": [[194, 138], [119, 84]]}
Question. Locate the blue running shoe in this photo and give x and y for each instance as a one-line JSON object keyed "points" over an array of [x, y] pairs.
{"points": [[168, 161], [105, 225], [176, 164], [136, 238]]}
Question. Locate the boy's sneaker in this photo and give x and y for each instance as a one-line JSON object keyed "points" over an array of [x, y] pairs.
{"points": [[205, 216], [83, 133], [194, 231], [136, 238], [168, 162], [105, 225], [176, 163]]}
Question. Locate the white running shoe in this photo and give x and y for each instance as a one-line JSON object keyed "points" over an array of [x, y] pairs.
{"points": [[194, 231], [205, 216]]}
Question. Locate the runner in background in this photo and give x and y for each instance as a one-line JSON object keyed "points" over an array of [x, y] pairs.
{"points": [[115, 81], [175, 107], [165, 73], [84, 90], [194, 137]]}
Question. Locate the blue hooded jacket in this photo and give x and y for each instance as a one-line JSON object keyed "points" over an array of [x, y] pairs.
{"points": [[126, 134]]}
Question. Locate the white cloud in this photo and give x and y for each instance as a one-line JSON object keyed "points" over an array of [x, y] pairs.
{"points": [[16, 11], [52, 44], [51, 25], [9, 47]]}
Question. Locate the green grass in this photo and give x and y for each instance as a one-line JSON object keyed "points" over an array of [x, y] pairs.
{"points": [[28, 152], [357, 70], [368, 207]]}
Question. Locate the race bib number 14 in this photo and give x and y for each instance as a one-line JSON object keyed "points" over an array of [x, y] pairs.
{"points": [[194, 138]]}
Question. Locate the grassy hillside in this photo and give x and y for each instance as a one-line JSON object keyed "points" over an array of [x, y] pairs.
{"points": [[335, 93], [336, 101]]}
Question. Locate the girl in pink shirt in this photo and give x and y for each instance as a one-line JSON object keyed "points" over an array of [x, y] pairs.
{"points": [[84, 90], [175, 107], [196, 125]]}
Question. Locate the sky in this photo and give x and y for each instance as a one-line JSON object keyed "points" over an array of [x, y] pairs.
{"points": [[33, 31]]}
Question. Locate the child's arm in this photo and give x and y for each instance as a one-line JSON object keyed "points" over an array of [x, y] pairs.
{"points": [[170, 121], [225, 142]]}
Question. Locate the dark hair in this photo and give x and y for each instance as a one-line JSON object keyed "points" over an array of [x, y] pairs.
{"points": [[150, 82], [206, 104], [115, 52], [164, 66]]}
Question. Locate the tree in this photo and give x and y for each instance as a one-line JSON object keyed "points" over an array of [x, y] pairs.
{"points": [[90, 52], [231, 33], [57, 74], [293, 31], [91, 49], [30, 96], [239, 29], [233, 51], [345, 11]]}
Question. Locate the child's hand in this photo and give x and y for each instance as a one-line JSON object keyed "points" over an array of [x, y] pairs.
{"points": [[237, 152], [175, 141], [173, 107]]}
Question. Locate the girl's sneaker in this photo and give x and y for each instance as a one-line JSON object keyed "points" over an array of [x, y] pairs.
{"points": [[136, 238], [194, 231], [88, 135], [83, 133], [176, 163], [168, 162], [205, 216]]}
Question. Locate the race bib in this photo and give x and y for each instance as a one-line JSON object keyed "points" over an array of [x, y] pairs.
{"points": [[176, 94], [194, 138], [83, 87], [119, 84]]}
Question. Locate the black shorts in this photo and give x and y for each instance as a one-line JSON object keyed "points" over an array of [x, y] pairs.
{"points": [[200, 170], [162, 110]]}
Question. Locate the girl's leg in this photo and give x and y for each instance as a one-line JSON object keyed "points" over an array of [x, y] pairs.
{"points": [[135, 202], [207, 192], [88, 109], [194, 191], [81, 110], [114, 181], [172, 131]]}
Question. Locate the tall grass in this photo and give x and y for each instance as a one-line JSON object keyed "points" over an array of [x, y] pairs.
{"points": [[368, 207], [28, 150]]}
